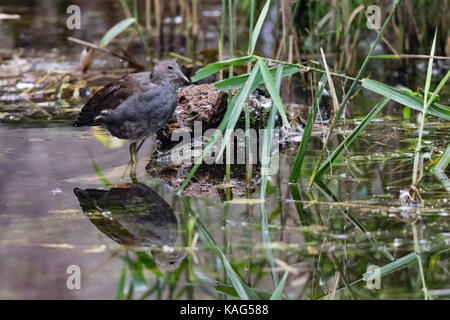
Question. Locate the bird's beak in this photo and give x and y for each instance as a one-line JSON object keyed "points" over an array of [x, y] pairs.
{"points": [[183, 77]]}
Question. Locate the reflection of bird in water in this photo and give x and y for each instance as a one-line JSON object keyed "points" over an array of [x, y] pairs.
{"points": [[134, 215]]}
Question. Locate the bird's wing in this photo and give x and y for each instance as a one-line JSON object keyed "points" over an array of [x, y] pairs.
{"points": [[116, 92], [112, 95]]}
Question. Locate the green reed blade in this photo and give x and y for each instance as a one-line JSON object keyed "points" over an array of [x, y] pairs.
{"points": [[237, 104], [279, 290], [352, 137], [228, 122], [115, 31], [265, 164], [444, 161], [295, 174], [215, 67], [367, 59], [238, 82], [274, 94], [425, 108], [406, 99], [259, 24]]}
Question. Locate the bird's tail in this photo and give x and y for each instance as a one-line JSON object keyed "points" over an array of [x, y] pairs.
{"points": [[86, 117]]}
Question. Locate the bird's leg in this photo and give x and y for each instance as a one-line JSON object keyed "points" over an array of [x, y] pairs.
{"points": [[134, 149], [133, 176], [133, 161], [133, 152], [140, 145]]}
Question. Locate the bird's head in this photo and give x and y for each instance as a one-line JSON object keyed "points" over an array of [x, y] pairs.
{"points": [[167, 71]]}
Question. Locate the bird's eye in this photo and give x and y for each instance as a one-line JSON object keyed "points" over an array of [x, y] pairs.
{"points": [[170, 67]]}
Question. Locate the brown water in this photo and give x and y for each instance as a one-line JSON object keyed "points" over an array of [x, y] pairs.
{"points": [[328, 235]]}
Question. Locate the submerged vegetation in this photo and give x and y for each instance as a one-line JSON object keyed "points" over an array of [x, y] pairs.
{"points": [[315, 52]]}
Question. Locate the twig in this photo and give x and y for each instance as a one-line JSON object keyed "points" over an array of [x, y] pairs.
{"points": [[96, 47]]}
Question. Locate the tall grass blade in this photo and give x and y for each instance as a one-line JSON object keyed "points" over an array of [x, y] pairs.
{"points": [[392, 267], [279, 290], [115, 31], [266, 159], [229, 121], [444, 161], [422, 122], [215, 67], [351, 138], [230, 33], [366, 61], [259, 24], [443, 179], [237, 104], [267, 143], [271, 87], [238, 82], [295, 175], [435, 109], [251, 27]]}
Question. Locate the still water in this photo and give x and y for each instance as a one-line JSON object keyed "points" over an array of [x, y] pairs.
{"points": [[143, 241], [44, 230]]}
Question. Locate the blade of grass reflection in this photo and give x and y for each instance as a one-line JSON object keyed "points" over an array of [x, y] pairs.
{"points": [[226, 233], [336, 265], [149, 264], [99, 172], [322, 282], [148, 293], [230, 291], [130, 292], [394, 266], [243, 290], [190, 235], [304, 219], [329, 194], [137, 274], [121, 287], [188, 267], [419, 262], [173, 278]]}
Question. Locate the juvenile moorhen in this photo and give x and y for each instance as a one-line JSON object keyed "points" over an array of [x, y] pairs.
{"points": [[137, 105]]}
